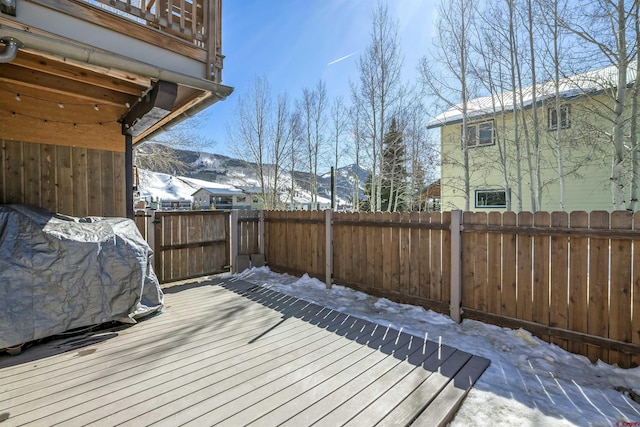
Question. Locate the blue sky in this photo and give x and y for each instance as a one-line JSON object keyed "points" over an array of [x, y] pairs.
{"points": [[292, 42]]}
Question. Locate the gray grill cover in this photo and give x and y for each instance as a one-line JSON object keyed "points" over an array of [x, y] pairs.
{"points": [[59, 273]]}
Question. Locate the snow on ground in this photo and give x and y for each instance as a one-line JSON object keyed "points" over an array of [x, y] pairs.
{"points": [[529, 382], [161, 186]]}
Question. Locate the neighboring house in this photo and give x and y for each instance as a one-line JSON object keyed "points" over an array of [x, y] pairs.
{"points": [[429, 198], [83, 81], [255, 196], [302, 203], [582, 124], [174, 205], [221, 198]]}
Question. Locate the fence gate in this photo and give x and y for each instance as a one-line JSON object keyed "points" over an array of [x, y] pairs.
{"points": [[190, 244]]}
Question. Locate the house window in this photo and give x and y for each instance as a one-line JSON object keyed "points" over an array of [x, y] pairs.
{"points": [[480, 134], [491, 199], [565, 117]]}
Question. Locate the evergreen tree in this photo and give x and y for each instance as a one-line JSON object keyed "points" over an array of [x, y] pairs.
{"points": [[417, 186], [394, 171]]}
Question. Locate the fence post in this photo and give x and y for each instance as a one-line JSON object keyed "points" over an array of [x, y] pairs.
{"points": [[456, 266], [233, 240], [150, 217], [329, 248], [158, 256], [261, 232]]}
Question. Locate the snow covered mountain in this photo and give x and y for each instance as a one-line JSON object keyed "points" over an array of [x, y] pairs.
{"points": [[163, 181]]}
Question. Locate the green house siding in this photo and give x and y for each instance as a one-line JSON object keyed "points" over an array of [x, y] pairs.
{"points": [[587, 164]]}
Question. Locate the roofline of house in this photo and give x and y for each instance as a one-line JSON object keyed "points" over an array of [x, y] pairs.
{"points": [[433, 124], [510, 110], [229, 192]]}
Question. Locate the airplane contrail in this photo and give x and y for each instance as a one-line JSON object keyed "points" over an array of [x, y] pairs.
{"points": [[343, 58]]}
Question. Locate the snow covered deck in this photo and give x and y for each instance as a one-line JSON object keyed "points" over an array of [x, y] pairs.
{"points": [[227, 352]]}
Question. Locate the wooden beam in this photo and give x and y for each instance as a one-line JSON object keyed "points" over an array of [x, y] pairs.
{"points": [[72, 72], [132, 78], [52, 84], [107, 137]]}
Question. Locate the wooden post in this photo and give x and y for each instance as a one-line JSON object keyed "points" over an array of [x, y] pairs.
{"points": [[157, 243], [456, 266], [261, 232], [233, 237], [329, 248], [128, 176], [150, 217]]}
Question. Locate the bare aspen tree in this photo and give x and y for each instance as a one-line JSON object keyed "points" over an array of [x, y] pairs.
{"points": [[635, 161], [338, 128], [551, 12], [313, 107], [376, 92], [492, 47], [422, 156], [513, 54], [339, 120], [451, 80], [603, 26], [283, 136], [296, 143], [258, 136], [355, 129], [248, 133], [534, 150]]}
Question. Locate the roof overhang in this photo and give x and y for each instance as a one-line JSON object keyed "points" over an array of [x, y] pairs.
{"points": [[82, 94]]}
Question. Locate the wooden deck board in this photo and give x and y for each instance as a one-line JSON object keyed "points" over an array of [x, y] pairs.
{"points": [[228, 352], [440, 411]]}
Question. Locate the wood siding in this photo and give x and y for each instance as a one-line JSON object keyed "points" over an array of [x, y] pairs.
{"points": [[587, 162], [69, 180]]}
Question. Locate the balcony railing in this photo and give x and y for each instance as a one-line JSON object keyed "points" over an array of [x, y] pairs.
{"points": [[196, 22]]}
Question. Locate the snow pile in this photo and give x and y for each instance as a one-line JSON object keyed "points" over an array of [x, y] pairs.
{"points": [[529, 381]]}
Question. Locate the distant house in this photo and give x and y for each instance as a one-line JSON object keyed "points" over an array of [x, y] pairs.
{"points": [[174, 205], [255, 196], [302, 203], [84, 81], [582, 124], [221, 198], [429, 198]]}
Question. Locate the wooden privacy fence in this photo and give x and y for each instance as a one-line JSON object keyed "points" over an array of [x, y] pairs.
{"points": [[571, 279], [198, 243], [186, 243], [295, 241]]}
